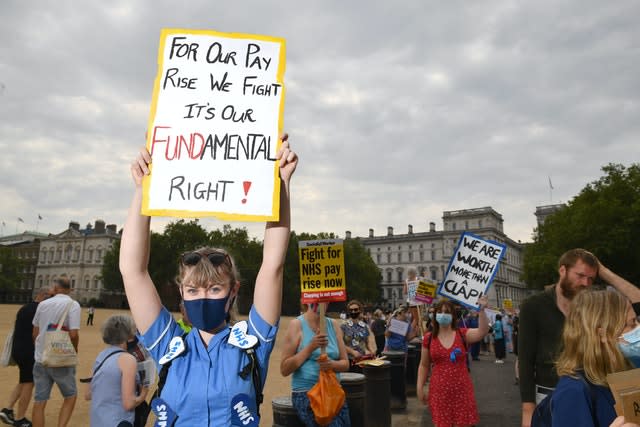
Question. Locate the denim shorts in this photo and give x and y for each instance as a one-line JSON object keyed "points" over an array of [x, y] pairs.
{"points": [[43, 379], [302, 406]]}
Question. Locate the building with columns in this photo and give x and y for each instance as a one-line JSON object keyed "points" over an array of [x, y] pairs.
{"points": [[430, 251], [79, 254]]}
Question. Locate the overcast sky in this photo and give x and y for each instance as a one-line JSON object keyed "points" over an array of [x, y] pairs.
{"points": [[398, 110]]}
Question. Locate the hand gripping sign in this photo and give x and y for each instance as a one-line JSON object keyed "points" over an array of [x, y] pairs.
{"points": [[214, 126], [471, 270], [322, 270]]}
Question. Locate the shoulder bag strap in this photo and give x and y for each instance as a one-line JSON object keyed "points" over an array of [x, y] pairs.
{"points": [[64, 315], [88, 380]]}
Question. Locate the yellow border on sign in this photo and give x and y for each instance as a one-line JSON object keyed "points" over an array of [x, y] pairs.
{"points": [[275, 213]]}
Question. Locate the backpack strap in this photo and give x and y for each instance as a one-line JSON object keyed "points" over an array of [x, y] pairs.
{"points": [[164, 371], [88, 380], [253, 367]]}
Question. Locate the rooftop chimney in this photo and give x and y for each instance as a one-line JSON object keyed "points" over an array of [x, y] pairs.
{"points": [[112, 229], [432, 226], [410, 230], [389, 231], [99, 226], [73, 225], [371, 232], [347, 234]]}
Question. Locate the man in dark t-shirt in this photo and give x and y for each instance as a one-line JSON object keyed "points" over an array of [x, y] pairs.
{"points": [[22, 352]]}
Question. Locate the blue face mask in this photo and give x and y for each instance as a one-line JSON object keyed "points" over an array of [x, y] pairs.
{"points": [[206, 314], [631, 348], [444, 319]]}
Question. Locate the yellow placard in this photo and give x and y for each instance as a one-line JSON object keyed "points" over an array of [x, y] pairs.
{"points": [[214, 127], [507, 303], [322, 277], [426, 291]]}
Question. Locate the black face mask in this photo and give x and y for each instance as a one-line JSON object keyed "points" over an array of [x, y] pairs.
{"points": [[354, 314]]}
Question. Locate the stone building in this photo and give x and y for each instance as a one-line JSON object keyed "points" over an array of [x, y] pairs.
{"points": [[25, 247], [79, 254], [430, 251]]}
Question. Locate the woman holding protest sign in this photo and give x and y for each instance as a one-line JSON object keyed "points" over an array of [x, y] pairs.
{"points": [[444, 352], [300, 352], [212, 375]]}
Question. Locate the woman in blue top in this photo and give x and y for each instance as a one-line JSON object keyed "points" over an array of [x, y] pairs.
{"points": [[211, 380], [113, 391], [590, 352], [300, 351], [498, 339]]}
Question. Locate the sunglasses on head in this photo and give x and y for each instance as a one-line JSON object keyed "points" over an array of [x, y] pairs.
{"points": [[215, 258]]}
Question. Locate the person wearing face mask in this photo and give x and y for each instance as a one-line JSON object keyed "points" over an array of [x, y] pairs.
{"points": [[213, 375], [542, 317], [451, 397], [395, 341], [592, 347], [431, 312], [300, 351], [112, 391], [358, 338]]}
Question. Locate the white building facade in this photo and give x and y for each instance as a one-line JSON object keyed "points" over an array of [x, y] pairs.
{"points": [[78, 254]]}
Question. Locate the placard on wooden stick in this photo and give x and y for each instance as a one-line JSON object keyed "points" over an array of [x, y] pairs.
{"points": [[214, 127], [322, 277]]}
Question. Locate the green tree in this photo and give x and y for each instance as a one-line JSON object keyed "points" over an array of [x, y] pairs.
{"points": [[111, 276], [10, 270], [603, 218]]}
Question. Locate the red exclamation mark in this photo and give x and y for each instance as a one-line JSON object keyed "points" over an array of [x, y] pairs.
{"points": [[247, 186]]}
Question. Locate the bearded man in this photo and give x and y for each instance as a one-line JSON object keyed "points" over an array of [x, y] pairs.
{"points": [[542, 319]]}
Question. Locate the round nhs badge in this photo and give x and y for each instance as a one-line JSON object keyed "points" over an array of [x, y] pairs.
{"points": [[243, 411]]}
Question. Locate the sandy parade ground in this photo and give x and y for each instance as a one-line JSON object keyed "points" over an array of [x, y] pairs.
{"points": [[91, 344]]}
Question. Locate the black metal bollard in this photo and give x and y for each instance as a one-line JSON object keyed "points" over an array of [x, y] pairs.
{"points": [[353, 385], [377, 395], [284, 414], [411, 374], [398, 390]]}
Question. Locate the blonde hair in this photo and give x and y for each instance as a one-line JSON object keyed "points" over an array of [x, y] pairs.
{"points": [[590, 336], [204, 273]]}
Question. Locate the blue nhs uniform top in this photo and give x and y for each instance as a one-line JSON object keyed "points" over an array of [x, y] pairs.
{"points": [[203, 385]]}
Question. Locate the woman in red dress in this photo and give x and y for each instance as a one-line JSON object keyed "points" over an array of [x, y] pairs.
{"points": [[444, 351]]}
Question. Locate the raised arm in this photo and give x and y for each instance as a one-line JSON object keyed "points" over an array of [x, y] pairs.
{"points": [[143, 298], [476, 334], [623, 286], [267, 295]]}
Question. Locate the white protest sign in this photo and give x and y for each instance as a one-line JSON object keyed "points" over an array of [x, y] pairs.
{"points": [[214, 126], [412, 287], [471, 270], [398, 327]]}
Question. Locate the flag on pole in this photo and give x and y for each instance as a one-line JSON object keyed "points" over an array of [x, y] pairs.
{"points": [[550, 184], [20, 219], [40, 217]]}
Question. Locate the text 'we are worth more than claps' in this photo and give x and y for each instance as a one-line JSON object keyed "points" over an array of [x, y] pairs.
{"points": [[214, 126]]}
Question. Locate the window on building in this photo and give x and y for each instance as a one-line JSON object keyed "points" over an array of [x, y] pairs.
{"points": [[434, 273], [378, 259], [86, 283], [389, 276], [433, 255], [400, 276], [96, 283], [453, 226], [421, 256], [410, 256], [466, 225], [388, 258], [479, 223], [98, 255], [399, 256], [67, 253]]}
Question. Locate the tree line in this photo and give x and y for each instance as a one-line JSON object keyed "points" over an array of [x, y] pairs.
{"points": [[362, 275]]}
